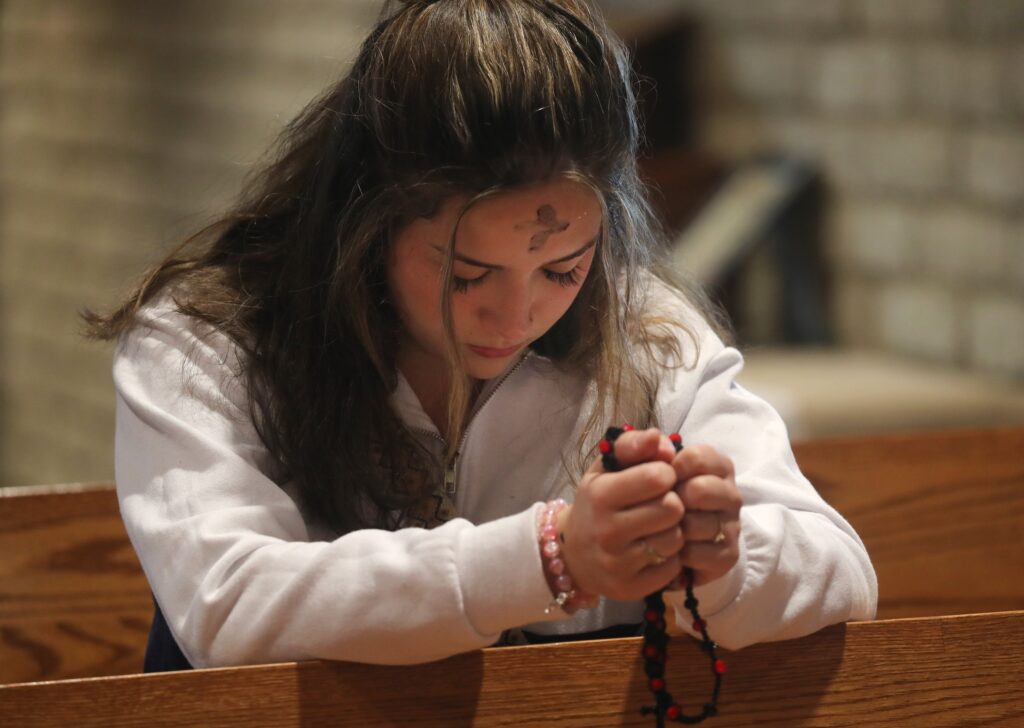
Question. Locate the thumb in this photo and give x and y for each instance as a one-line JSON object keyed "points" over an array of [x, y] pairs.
{"points": [[638, 446]]}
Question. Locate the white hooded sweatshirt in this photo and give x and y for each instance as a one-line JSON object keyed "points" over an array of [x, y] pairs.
{"points": [[244, 576]]}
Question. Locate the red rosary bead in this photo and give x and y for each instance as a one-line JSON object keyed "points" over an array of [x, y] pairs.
{"points": [[654, 649], [628, 427]]}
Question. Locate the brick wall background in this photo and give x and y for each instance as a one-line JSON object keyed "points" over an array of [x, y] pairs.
{"points": [[915, 111], [125, 124]]}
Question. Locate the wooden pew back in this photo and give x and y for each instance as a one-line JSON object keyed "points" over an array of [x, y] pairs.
{"points": [[947, 671], [941, 514], [73, 599]]}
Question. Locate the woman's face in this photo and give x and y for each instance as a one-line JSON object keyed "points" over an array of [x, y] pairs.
{"points": [[520, 259]]}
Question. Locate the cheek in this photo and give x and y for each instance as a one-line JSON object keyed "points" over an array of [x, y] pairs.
{"points": [[427, 307], [559, 302], [567, 295], [465, 311], [414, 288], [552, 302]]}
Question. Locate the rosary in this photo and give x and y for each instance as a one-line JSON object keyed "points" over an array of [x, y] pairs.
{"points": [[655, 644]]}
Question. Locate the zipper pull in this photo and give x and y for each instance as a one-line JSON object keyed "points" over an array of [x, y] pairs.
{"points": [[449, 477]]}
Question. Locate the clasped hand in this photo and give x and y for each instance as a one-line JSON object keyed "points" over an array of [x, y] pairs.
{"points": [[661, 504]]}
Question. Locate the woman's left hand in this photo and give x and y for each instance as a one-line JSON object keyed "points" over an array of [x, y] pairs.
{"points": [[711, 526]]}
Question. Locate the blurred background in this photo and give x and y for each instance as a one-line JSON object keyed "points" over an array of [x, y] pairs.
{"points": [[845, 176]]}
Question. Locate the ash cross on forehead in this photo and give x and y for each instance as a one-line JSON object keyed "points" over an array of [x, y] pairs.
{"points": [[547, 220]]}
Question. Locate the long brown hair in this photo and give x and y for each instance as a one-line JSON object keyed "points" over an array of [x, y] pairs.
{"points": [[445, 97]]}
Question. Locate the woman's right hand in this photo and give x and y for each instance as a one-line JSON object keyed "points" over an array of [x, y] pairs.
{"points": [[621, 522]]}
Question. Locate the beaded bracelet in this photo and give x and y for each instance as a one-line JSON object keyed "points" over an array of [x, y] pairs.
{"points": [[655, 644], [568, 598]]}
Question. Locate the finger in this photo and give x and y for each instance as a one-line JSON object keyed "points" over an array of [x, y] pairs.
{"points": [[702, 460], [666, 450], [703, 525], [632, 486], [709, 561], [634, 584], [641, 446], [654, 577], [638, 446], [710, 493], [651, 517], [662, 545], [628, 449]]}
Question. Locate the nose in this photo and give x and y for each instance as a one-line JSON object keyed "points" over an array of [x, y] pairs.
{"points": [[510, 314]]}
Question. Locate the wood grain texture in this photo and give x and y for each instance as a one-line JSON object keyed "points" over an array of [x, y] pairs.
{"points": [[73, 598], [949, 671], [942, 515]]}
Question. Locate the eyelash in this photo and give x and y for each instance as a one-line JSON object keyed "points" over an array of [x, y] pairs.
{"points": [[568, 279]]}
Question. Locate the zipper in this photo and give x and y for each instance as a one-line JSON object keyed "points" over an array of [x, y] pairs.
{"points": [[449, 477], [451, 471]]}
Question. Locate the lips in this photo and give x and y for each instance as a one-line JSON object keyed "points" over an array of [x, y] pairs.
{"points": [[490, 353]]}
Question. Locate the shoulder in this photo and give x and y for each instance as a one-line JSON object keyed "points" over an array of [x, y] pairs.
{"points": [[682, 348], [176, 360], [675, 329]]}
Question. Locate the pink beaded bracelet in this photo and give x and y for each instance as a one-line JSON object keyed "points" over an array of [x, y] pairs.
{"points": [[567, 598]]}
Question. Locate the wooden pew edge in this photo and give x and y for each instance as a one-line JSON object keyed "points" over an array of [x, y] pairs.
{"points": [[899, 436], [854, 626], [22, 491], [960, 670], [949, 618]]}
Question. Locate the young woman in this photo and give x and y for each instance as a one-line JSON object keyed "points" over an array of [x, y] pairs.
{"points": [[343, 407]]}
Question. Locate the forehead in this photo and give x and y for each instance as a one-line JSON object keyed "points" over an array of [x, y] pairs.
{"points": [[562, 208]]}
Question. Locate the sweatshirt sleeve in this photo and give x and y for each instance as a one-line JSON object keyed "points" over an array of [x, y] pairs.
{"points": [[801, 567], [230, 558]]}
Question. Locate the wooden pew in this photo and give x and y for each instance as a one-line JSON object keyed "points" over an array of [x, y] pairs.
{"points": [[942, 515], [945, 671], [73, 599]]}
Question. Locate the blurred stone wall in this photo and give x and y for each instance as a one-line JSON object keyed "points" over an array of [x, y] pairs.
{"points": [[125, 124], [915, 111]]}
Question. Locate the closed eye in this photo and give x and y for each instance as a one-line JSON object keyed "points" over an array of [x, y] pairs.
{"points": [[568, 279], [461, 285]]}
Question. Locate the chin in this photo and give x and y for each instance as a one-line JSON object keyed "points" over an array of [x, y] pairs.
{"points": [[482, 368], [487, 371]]}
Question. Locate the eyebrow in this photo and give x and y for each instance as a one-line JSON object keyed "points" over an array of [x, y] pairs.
{"points": [[492, 266]]}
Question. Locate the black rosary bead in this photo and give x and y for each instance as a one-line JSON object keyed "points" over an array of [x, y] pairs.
{"points": [[655, 649]]}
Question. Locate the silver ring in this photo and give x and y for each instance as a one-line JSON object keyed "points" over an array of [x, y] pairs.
{"points": [[720, 536], [653, 557]]}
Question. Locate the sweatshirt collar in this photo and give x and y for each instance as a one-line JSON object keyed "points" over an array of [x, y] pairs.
{"points": [[407, 405]]}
